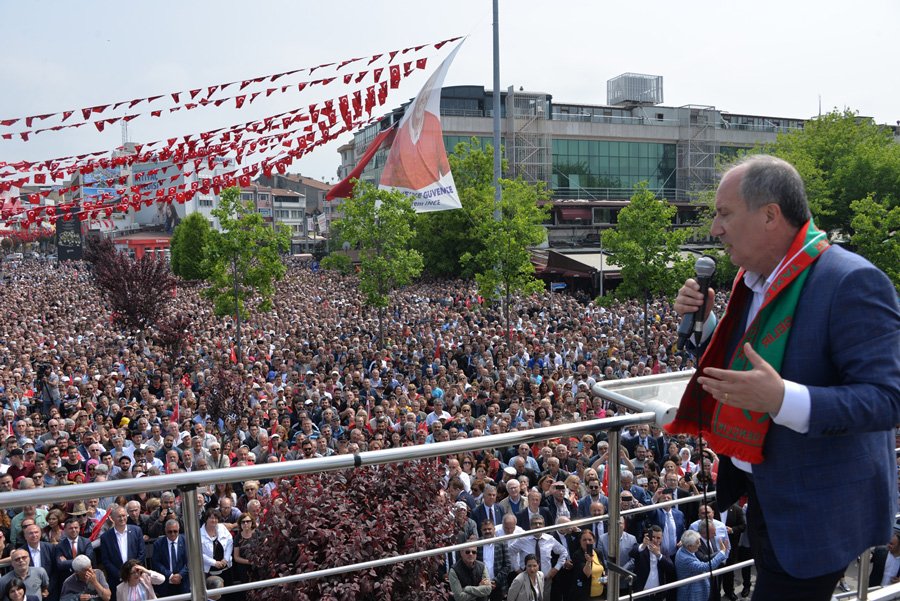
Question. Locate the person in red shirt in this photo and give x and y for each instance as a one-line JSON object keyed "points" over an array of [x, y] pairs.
{"points": [[18, 466]]}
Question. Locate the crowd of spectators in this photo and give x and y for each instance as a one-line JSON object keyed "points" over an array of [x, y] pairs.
{"points": [[84, 401]]}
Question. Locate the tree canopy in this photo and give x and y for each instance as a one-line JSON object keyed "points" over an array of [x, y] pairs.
{"points": [[443, 237], [842, 157], [243, 260], [380, 224], [138, 290], [503, 264], [646, 247], [189, 247], [851, 167]]}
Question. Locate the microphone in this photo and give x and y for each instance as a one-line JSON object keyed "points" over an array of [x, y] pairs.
{"points": [[692, 323]]}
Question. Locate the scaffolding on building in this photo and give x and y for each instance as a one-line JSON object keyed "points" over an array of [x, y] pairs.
{"points": [[697, 149], [528, 147]]}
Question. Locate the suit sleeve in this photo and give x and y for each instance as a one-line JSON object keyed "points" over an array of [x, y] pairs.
{"points": [[515, 589], [160, 559], [107, 552], [138, 537], [863, 338], [559, 548], [59, 557]]}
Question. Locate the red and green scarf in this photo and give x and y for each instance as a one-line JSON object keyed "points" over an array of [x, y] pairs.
{"points": [[738, 432]]}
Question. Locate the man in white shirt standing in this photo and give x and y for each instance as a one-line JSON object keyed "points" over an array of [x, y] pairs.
{"points": [[542, 546]]}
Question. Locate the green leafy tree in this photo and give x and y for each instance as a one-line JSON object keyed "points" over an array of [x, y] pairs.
{"points": [[843, 158], [338, 262], [503, 265], [646, 247], [189, 247], [876, 235], [443, 237], [243, 260], [380, 224]]}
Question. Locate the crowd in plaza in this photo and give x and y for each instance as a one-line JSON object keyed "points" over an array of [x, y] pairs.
{"points": [[84, 401]]}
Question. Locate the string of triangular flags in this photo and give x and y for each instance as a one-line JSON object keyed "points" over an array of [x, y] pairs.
{"points": [[107, 204], [240, 101], [349, 106], [216, 144], [88, 112]]}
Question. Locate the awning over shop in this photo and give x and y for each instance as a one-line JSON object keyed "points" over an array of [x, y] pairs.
{"points": [[576, 264], [572, 213]]}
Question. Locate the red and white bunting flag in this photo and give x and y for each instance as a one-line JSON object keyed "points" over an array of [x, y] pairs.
{"points": [[344, 188]]}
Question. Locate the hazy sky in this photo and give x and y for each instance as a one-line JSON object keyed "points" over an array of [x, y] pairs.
{"points": [[765, 57]]}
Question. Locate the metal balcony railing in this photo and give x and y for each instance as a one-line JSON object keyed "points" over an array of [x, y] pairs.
{"points": [[654, 399]]}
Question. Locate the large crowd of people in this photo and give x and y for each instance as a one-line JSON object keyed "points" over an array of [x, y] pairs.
{"points": [[85, 401]]}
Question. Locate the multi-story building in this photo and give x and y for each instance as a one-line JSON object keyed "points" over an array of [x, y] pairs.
{"points": [[591, 155], [318, 213]]}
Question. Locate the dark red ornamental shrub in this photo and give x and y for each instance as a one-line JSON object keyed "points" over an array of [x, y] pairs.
{"points": [[340, 518], [138, 291]]}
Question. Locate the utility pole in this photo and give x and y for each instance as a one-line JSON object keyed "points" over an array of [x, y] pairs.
{"points": [[497, 159]]}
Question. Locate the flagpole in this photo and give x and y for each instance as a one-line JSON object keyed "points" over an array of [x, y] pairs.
{"points": [[497, 158]]}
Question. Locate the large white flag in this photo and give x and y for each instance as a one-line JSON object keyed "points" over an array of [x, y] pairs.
{"points": [[417, 163]]}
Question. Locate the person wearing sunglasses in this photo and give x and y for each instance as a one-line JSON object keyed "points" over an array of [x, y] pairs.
{"points": [[469, 577]]}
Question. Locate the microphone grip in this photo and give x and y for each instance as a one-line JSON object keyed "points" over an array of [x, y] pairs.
{"points": [[700, 316], [685, 328]]}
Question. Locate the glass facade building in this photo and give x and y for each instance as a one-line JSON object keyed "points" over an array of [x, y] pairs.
{"points": [[583, 167]]}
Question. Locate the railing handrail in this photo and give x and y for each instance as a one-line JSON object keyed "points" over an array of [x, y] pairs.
{"points": [[112, 488], [386, 561]]}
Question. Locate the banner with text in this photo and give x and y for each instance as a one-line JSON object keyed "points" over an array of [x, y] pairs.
{"points": [[417, 163]]}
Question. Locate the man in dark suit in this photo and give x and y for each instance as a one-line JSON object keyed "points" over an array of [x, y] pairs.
{"points": [[595, 495], [488, 510], [456, 490], [558, 503], [644, 439], [651, 566], [735, 524], [41, 553], [565, 579], [798, 389], [499, 565], [112, 554], [886, 563], [533, 508], [170, 560], [670, 521], [64, 552]]}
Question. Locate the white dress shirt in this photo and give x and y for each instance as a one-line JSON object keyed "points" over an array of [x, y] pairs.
{"points": [[795, 405]]}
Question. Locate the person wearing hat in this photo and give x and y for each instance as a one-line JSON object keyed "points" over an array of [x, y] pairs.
{"points": [[465, 527], [18, 466], [62, 476], [558, 503]]}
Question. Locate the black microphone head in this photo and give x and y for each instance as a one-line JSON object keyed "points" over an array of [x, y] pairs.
{"points": [[705, 266]]}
